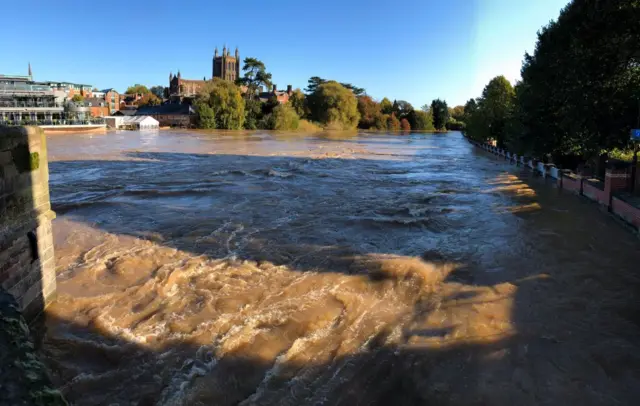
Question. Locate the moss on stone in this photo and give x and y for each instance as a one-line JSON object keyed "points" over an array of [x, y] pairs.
{"points": [[35, 161]]}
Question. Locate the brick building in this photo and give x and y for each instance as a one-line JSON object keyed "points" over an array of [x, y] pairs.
{"points": [[184, 87]]}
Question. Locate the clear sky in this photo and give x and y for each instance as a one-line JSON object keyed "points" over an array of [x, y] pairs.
{"points": [[414, 50]]}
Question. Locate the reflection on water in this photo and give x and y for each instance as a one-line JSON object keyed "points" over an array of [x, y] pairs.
{"points": [[199, 268]]}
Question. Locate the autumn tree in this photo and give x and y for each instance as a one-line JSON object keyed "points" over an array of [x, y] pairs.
{"points": [[369, 112], [149, 99], [404, 125], [393, 124]]}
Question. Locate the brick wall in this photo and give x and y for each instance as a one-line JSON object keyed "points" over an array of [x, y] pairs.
{"points": [[595, 194], [27, 268], [626, 211]]}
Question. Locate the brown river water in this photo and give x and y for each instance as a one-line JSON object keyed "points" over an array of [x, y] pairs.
{"points": [[263, 269]]}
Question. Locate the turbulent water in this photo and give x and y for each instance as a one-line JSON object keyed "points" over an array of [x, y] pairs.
{"points": [[259, 269]]}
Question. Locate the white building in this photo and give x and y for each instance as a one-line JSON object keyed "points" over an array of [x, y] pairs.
{"points": [[132, 122]]}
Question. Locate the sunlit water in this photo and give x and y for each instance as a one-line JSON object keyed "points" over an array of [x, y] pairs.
{"points": [[221, 269]]}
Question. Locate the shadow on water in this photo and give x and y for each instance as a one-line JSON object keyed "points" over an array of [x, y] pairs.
{"points": [[516, 295]]}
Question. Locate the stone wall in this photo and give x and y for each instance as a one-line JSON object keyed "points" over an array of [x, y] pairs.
{"points": [[27, 268]]}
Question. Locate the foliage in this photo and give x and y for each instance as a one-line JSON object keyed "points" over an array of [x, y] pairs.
{"points": [[283, 118], [455, 125], [269, 105], [297, 101], [77, 98], [404, 125], [490, 116], [255, 75], [402, 108], [135, 89], [457, 113], [308, 126], [226, 101], [393, 124], [206, 115], [158, 91], [252, 114], [333, 104], [316, 81], [440, 113], [385, 106], [149, 99], [420, 120], [580, 90], [369, 112]]}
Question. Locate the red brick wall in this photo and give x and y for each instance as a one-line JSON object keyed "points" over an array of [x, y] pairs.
{"points": [[571, 184], [626, 211], [595, 194]]}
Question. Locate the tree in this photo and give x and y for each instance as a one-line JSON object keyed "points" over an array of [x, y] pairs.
{"points": [[206, 115], [457, 113], [369, 112], [393, 124], [404, 125], [316, 81], [402, 108], [313, 83], [420, 120], [255, 75], [252, 114], [297, 101], [334, 105], [469, 108], [77, 98], [158, 91], [283, 118], [385, 106], [497, 102], [137, 89], [149, 99], [440, 113], [226, 101]]}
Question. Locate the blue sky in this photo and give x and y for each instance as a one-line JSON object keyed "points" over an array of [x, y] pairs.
{"points": [[414, 50]]}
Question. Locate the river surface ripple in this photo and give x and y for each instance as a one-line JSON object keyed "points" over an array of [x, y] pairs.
{"points": [[256, 269]]}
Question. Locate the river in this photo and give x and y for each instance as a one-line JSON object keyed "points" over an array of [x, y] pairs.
{"points": [[201, 268]]}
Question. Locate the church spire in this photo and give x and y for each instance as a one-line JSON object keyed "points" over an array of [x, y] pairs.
{"points": [[30, 74]]}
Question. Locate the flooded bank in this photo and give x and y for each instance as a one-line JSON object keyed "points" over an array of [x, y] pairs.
{"points": [[216, 269]]}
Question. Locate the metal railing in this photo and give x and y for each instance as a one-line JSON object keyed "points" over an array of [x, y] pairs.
{"points": [[93, 121]]}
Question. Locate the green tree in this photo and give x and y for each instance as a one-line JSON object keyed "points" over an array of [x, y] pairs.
{"points": [[385, 106], [440, 112], [402, 108], [255, 75], [497, 103], [77, 98], [420, 120], [206, 115], [313, 83], [135, 89], [158, 91], [297, 101], [283, 118], [333, 104], [252, 114], [226, 101]]}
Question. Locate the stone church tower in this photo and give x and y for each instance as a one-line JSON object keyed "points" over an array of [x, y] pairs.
{"points": [[225, 66]]}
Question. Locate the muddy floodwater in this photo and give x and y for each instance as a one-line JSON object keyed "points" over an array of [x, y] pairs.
{"points": [[367, 269]]}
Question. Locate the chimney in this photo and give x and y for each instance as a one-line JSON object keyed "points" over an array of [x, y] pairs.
{"points": [[289, 89], [275, 88]]}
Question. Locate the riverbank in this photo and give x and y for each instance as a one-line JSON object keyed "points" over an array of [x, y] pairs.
{"points": [[70, 129], [608, 194]]}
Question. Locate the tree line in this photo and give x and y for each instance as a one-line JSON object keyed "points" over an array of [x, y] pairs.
{"points": [[579, 93], [327, 104]]}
